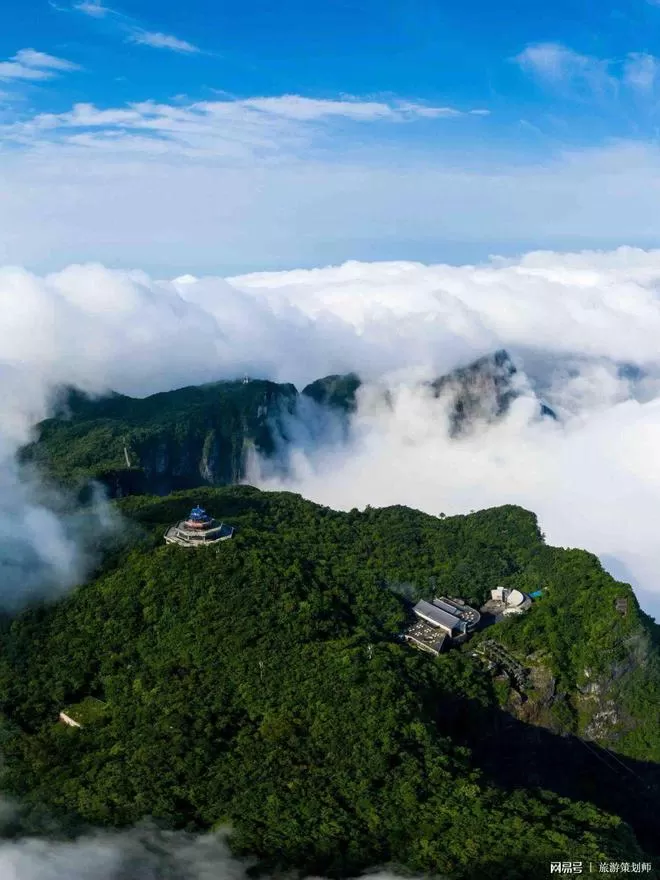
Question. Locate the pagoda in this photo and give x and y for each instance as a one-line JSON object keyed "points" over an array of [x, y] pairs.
{"points": [[198, 530]]}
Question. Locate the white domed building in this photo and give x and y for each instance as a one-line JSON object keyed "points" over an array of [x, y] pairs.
{"points": [[514, 601]]}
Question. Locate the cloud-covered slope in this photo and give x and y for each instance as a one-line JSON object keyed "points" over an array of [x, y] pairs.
{"points": [[569, 321]]}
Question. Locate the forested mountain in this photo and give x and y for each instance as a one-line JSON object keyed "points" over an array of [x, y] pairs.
{"points": [[263, 684], [176, 439], [203, 435], [336, 391]]}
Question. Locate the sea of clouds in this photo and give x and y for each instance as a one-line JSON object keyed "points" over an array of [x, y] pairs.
{"points": [[141, 853], [583, 328]]}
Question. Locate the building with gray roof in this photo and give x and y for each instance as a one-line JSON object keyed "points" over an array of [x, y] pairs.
{"points": [[440, 618]]}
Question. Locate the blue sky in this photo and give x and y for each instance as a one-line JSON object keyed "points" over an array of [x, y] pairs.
{"points": [[430, 51], [223, 137]]}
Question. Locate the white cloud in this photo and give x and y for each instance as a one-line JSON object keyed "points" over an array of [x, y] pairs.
{"points": [[48, 542], [28, 64], [14, 70], [563, 68], [596, 304], [551, 60], [32, 58], [558, 65], [141, 853], [162, 41]]}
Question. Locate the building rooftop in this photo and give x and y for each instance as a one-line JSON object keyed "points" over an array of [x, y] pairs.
{"points": [[505, 601], [428, 638], [458, 609], [438, 617], [198, 532]]}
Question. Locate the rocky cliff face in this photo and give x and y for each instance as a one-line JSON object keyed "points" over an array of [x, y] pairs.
{"points": [[603, 701], [483, 391], [176, 440], [213, 446], [603, 714]]}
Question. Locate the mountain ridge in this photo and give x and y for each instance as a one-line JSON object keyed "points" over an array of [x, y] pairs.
{"points": [[206, 434]]}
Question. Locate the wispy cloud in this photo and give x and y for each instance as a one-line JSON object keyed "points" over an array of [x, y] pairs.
{"points": [[559, 66], [93, 8], [241, 128], [28, 64], [32, 58], [14, 70], [162, 41], [133, 29], [301, 108], [641, 71]]}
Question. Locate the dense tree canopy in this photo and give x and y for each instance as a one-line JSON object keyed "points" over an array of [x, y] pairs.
{"points": [[262, 683], [175, 439]]}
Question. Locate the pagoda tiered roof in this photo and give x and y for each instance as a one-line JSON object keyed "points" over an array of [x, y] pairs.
{"points": [[198, 530]]}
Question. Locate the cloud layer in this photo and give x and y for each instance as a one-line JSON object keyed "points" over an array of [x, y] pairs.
{"points": [[225, 186], [570, 319]]}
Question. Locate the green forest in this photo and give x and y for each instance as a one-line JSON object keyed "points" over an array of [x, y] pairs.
{"points": [[172, 440], [262, 685]]}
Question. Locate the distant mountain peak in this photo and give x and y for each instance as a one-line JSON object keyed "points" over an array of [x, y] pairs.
{"points": [[482, 391]]}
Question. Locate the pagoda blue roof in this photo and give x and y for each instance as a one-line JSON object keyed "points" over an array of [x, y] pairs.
{"points": [[199, 529], [199, 513], [198, 518]]}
